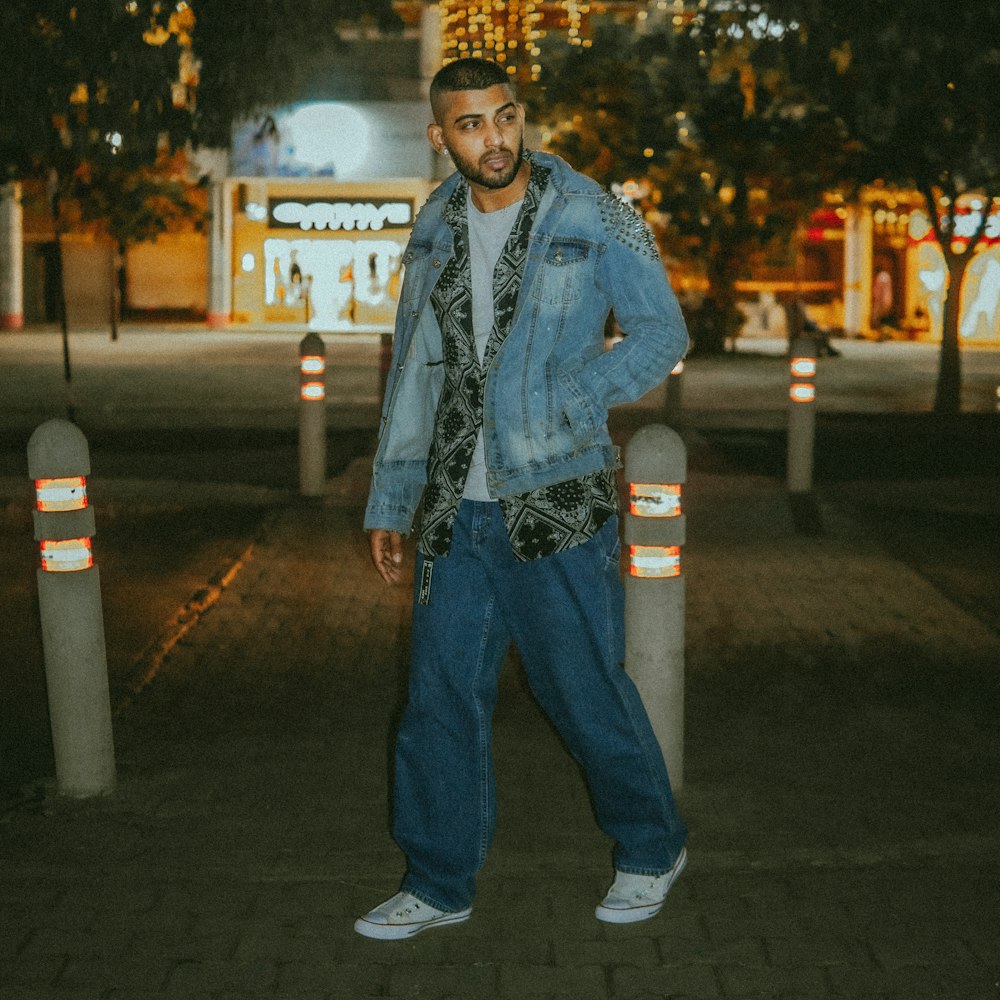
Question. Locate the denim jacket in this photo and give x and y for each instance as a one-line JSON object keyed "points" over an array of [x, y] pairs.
{"points": [[551, 383]]}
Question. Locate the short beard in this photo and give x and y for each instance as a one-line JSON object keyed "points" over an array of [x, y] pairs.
{"points": [[471, 172]]}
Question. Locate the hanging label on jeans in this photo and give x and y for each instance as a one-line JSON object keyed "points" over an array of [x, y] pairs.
{"points": [[424, 594]]}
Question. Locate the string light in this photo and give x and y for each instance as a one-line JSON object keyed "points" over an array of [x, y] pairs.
{"points": [[510, 33]]}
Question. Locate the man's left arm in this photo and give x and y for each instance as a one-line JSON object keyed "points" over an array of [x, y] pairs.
{"points": [[631, 274]]}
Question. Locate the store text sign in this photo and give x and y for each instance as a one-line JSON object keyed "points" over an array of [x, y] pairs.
{"points": [[323, 213]]}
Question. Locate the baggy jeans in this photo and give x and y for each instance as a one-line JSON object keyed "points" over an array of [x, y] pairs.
{"points": [[565, 614]]}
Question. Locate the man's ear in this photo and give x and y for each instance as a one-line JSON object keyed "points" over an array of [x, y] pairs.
{"points": [[435, 136]]}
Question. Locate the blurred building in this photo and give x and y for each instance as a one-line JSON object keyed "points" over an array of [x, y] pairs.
{"points": [[311, 206]]}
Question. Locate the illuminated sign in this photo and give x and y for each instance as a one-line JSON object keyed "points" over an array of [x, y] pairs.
{"points": [[372, 214], [966, 223]]}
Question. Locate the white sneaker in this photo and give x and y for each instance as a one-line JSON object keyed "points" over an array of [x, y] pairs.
{"points": [[632, 898], [403, 916]]}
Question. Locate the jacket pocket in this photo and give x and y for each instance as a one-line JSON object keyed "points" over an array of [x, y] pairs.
{"points": [[572, 412], [562, 272]]}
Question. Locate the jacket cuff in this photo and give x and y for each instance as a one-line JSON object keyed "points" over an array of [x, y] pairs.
{"points": [[392, 509]]}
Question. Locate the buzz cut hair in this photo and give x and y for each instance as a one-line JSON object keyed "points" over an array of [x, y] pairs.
{"points": [[466, 74]]}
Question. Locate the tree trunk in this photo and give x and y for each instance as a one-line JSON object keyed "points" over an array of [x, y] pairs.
{"points": [[948, 396], [118, 286], [54, 206], [719, 320]]}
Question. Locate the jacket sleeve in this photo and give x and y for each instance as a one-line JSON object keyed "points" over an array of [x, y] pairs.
{"points": [[632, 276]]}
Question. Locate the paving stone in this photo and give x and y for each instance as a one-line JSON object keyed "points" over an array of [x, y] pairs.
{"points": [[470, 979], [841, 843], [669, 982], [790, 980], [253, 978], [518, 980], [335, 977]]}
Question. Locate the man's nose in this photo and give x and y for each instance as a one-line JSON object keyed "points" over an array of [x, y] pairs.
{"points": [[493, 136]]}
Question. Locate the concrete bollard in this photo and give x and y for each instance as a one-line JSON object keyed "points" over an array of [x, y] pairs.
{"points": [[312, 416], [656, 469], [801, 415], [11, 258], [69, 598]]}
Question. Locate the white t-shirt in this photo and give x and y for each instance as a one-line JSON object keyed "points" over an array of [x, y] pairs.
{"points": [[488, 232]]}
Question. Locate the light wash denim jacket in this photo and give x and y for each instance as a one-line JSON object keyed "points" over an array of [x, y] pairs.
{"points": [[550, 385]]}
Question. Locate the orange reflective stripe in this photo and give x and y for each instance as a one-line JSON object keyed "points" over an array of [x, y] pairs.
{"points": [[654, 561], [313, 365], [67, 555], [803, 367], [69, 493], [655, 499]]}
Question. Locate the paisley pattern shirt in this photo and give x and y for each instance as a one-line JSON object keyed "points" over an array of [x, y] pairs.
{"points": [[545, 520]]}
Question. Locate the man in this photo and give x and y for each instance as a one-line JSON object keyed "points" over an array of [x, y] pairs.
{"points": [[495, 415]]}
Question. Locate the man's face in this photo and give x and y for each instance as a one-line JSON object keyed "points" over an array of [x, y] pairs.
{"points": [[483, 131]]}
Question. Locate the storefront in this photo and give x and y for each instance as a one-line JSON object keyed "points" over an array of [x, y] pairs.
{"points": [[927, 276], [315, 252]]}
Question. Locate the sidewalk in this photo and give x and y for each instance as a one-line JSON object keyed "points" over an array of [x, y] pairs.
{"points": [[840, 786]]}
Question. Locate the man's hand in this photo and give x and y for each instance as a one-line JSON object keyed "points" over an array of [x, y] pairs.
{"points": [[387, 554]]}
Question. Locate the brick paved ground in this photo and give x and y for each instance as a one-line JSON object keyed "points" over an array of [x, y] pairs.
{"points": [[840, 785]]}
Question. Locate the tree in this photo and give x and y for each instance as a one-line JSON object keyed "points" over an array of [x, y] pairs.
{"points": [[915, 87], [132, 206], [90, 90], [731, 156], [97, 97]]}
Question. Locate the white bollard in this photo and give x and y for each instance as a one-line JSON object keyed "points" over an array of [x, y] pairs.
{"points": [[656, 470], [220, 251], [69, 598], [801, 415], [11, 258], [312, 416]]}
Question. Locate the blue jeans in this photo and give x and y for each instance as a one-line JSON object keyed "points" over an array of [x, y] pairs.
{"points": [[565, 614]]}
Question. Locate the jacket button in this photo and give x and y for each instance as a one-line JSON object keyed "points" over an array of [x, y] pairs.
{"points": [[436, 262]]}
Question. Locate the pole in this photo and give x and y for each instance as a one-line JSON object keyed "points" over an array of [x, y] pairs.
{"points": [[312, 416], [220, 245], [12, 257], [69, 599], [801, 415], [656, 469], [675, 394]]}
